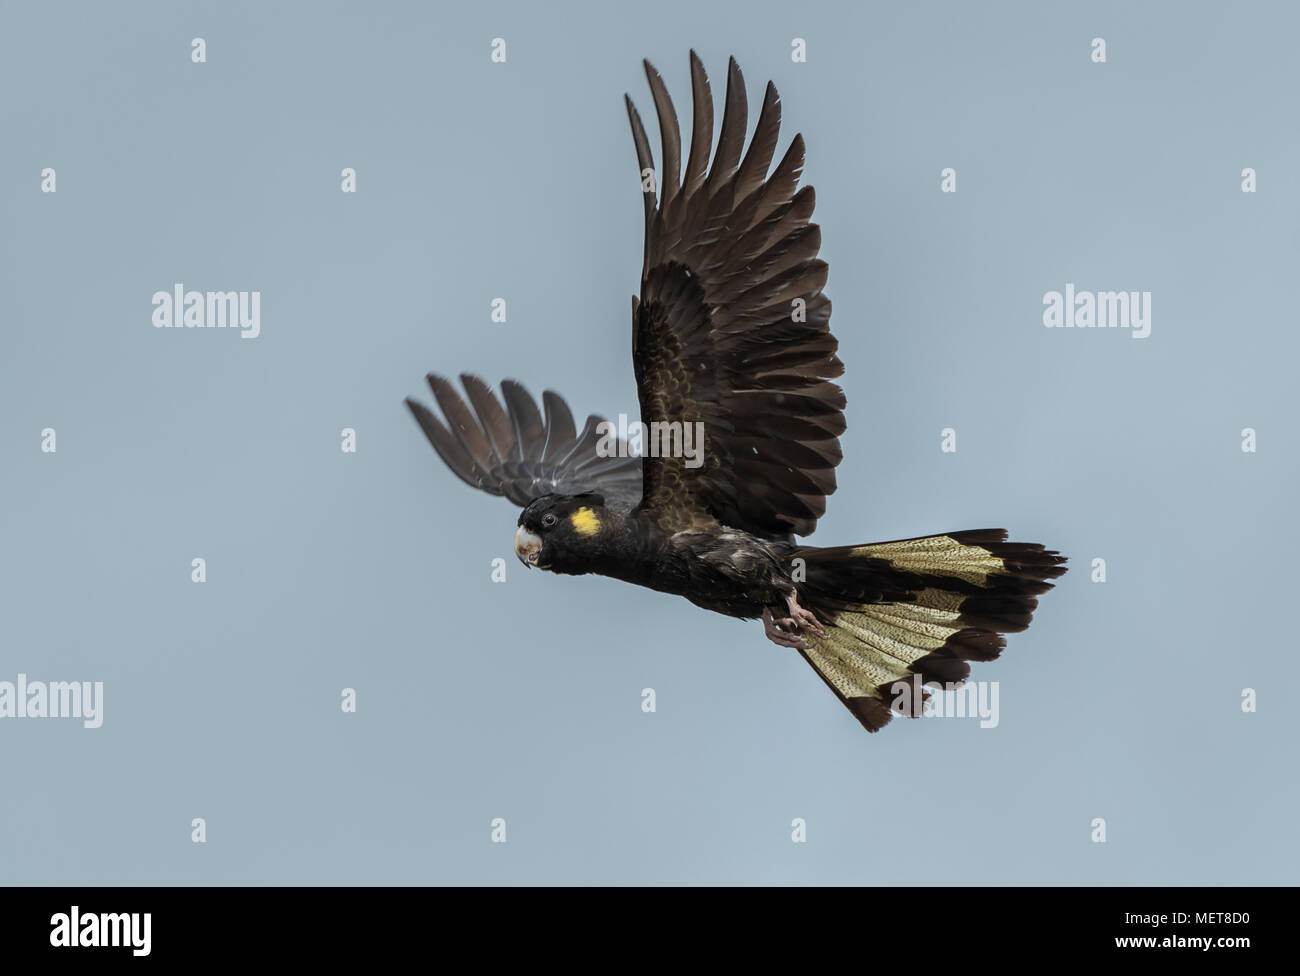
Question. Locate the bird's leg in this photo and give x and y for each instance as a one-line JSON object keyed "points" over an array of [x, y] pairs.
{"points": [[785, 630], [802, 617], [784, 638]]}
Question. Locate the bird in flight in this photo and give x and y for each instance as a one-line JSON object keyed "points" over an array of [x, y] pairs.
{"points": [[731, 337]]}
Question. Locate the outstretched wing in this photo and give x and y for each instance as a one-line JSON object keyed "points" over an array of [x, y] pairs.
{"points": [[516, 452], [732, 331]]}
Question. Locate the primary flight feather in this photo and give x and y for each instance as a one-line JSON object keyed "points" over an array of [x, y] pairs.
{"points": [[731, 337]]}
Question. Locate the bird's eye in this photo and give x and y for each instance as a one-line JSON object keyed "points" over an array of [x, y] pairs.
{"points": [[549, 519]]}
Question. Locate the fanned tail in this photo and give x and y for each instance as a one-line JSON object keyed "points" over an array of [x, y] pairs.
{"points": [[925, 606]]}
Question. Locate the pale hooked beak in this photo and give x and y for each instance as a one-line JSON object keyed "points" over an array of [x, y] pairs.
{"points": [[528, 546]]}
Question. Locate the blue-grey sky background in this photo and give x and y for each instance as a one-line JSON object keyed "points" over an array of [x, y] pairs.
{"points": [[521, 700]]}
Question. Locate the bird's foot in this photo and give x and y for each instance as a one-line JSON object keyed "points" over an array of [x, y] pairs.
{"points": [[802, 617], [784, 631], [781, 631]]}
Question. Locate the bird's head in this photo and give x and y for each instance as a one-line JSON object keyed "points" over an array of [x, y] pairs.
{"points": [[562, 533]]}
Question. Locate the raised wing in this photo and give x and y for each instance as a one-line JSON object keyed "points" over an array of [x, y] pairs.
{"points": [[517, 452], [732, 328]]}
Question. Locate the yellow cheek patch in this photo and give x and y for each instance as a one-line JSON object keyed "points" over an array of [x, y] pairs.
{"points": [[585, 522]]}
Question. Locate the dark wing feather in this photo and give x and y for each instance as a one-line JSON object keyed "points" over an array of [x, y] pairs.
{"points": [[520, 452], [719, 336]]}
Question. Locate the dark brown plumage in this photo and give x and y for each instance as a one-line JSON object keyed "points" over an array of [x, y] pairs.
{"points": [[516, 452], [732, 329], [731, 333]]}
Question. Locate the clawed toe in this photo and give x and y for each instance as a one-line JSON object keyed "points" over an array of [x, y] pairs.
{"points": [[782, 631], [802, 617]]}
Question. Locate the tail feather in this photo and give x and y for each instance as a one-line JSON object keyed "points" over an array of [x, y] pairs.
{"points": [[925, 606]]}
